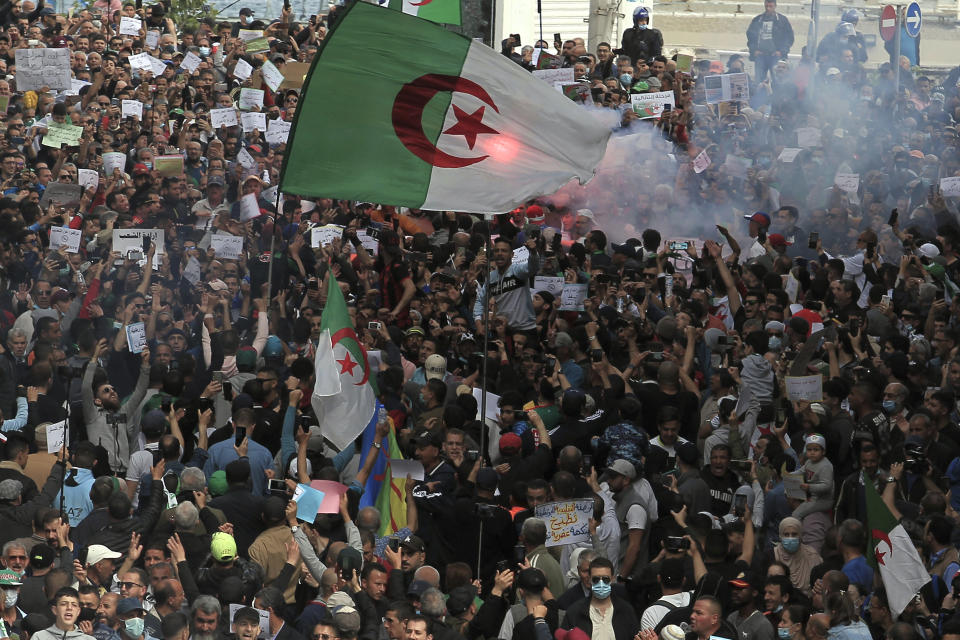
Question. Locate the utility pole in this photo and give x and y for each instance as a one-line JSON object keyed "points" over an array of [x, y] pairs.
{"points": [[603, 14]]}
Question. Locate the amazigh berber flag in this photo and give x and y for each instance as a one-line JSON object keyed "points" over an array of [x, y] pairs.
{"points": [[429, 119]]}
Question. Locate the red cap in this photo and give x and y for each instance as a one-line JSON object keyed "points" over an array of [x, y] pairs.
{"points": [[140, 168], [535, 214], [510, 441], [810, 316], [778, 240]]}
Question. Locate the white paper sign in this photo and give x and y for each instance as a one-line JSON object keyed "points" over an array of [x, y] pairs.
{"points": [[249, 34], [264, 619], [190, 62], [227, 246], [157, 66], [114, 160], [551, 284], [136, 337], [245, 159], [651, 105], [223, 118], [403, 468], [521, 255], [322, 236], [152, 40], [56, 436], [127, 240], [140, 61], [368, 242], [242, 70], [65, 237], [553, 76], [567, 522], [131, 108], [848, 182], [572, 297], [76, 86], [130, 26], [789, 154], [278, 131], [809, 388], [727, 87], [88, 178], [736, 166], [808, 137], [701, 162], [249, 207], [493, 400], [271, 75], [253, 121], [38, 68], [192, 272], [251, 98], [950, 186]]}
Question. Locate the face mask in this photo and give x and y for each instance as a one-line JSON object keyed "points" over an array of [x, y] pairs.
{"points": [[783, 633], [601, 590], [133, 627], [10, 598], [790, 545], [715, 422], [774, 343], [889, 406], [643, 26], [626, 79], [204, 51]]}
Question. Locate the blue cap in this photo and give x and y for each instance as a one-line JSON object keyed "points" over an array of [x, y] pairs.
{"points": [[273, 348]]}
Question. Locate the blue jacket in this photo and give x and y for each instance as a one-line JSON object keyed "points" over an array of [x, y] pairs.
{"points": [[76, 495]]}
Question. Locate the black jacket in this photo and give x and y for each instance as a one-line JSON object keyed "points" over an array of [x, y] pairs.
{"points": [[16, 520], [625, 622], [641, 44], [243, 510], [782, 36]]}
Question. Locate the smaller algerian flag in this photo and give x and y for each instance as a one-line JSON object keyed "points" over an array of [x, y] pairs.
{"points": [[900, 565], [547, 60], [441, 11]]}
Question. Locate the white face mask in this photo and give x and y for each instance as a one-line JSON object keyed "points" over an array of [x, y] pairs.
{"points": [[10, 597]]}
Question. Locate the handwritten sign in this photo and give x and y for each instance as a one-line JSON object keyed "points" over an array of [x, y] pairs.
{"points": [[789, 154], [140, 61], [249, 207], [245, 159], [701, 162], [521, 255], [809, 388], [59, 134], [114, 160], [127, 240], [808, 137], [554, 76], [130, 26], [39, 68], [271, 75], [950, 186], [567, 522], [322, 236], [264, 619], [651, 105], [131, 108], [152, 39], [227, 246], [551, 284], [88, 178], [253, 121], [56, 436], [65, 237], [223, 117], [684, 62], [278, 131], [369, 242], [251, 98], [848, 182], [190, 62], [67, 195], [242, 70], [136, 337], [572, 297]]}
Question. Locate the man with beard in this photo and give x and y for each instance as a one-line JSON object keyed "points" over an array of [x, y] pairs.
{"points": [[106, 622], [103, 413], [205, 618]]}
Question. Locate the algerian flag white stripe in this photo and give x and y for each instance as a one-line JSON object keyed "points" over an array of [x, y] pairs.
{"points": [[326, 385], [902, 570], [554, 140]]}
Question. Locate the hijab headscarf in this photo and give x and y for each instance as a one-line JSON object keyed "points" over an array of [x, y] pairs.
{"points": [[800, 563]]}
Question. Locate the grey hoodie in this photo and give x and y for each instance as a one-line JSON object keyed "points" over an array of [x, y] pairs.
{"points": [[54, 633]]}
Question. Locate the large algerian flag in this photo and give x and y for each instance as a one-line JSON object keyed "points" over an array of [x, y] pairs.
{"points": [[342, 396], [425, 118], [900, 565], [442, 11]]}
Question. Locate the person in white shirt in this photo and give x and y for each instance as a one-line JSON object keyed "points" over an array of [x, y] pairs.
{"points": [[670, 577]]}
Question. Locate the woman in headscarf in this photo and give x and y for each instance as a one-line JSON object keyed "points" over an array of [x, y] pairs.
{"points": [[801, 558]]}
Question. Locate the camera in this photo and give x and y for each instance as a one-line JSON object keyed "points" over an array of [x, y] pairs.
{"points": [[485, 510], [277, 487], [676, 544], [916, 459]]}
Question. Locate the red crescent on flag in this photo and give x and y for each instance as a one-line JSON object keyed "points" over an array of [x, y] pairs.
{"points": [[408, 109], [877, 534], [420, 4], [348, 332]]}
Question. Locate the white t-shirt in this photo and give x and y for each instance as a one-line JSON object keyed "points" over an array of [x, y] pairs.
{"points": [[655, 612]]}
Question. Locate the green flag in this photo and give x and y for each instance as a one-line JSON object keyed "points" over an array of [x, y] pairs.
{"points": [[442, 11], [429, 119]]}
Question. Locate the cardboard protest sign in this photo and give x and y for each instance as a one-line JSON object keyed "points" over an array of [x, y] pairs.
{"points": [[65, 237], [651, 105], [294, 73], [39, 68], [67, 195], [567, 522]]}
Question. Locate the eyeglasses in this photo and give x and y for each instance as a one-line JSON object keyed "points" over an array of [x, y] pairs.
{"points": [[129, 585], [599, 579], [322, 636]]}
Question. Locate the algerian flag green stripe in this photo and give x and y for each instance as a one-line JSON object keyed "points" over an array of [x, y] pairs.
{"points": [[441, 11]]}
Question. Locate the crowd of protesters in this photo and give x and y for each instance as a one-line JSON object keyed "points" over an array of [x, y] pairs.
{"points": [[722, 507]]}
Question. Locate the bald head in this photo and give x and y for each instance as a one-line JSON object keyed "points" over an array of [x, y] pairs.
{"points": [[428, 574]]}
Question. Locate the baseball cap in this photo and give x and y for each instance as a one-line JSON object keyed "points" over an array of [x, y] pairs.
{"points": [[435, 367], [928, 250], [126, 605], [759, 217], [778, 240], [427, 438], [217, 483], [417, 587], [414, 331], [623, 468], [246, 357], [535, 214], [215, 180], [672, 632], [246, 11], [223, 547], [41, 556], [140, 169], [460, 599], [510, 441], [413, 543], [98, 552], [217, 285], [833, 71], [586, 213], [346, 619], [743, 580], [466, 337], [487, 479], [9, 578]]}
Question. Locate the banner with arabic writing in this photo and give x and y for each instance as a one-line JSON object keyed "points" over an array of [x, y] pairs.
{"points": [[567, 521]]}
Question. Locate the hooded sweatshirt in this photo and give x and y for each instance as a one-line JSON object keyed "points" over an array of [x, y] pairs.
{"points": [[54, 633]]}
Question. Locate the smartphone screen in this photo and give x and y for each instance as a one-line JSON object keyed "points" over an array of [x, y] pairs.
{"points": [[240, 434], [894, 215]]}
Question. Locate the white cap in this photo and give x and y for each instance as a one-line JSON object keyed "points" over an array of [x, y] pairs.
{"points": [[929, 250], [98, 552], [774, 325], [586, 213], [833, 71], [435, 367]]}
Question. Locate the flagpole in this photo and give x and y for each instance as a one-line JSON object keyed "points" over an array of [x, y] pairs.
{"points": [[488, 249], [273, 237]]}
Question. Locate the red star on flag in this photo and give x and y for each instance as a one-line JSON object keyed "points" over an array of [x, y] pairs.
{"points": [[346, 365], [469, 125]]}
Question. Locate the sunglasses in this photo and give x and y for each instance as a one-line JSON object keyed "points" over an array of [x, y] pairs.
{"points": [[129, 585], [599, 579]]}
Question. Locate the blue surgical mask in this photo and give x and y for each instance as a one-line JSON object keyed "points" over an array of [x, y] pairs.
{"points": [[601, 590], [643, 26], [626, 79], [133, 627], [774, 343], [204, 51], [790, 545], [889, 406], [783, 633]]}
